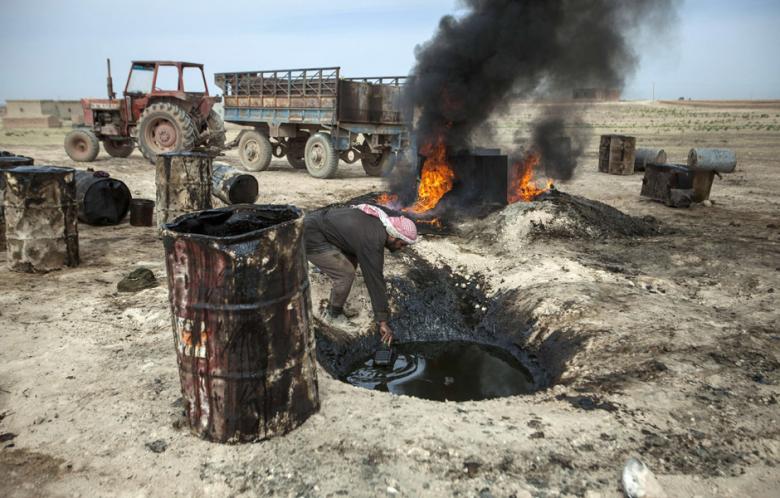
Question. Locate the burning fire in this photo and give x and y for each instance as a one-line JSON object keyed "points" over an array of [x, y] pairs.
{"points": [[522, 185], [436, 177]]}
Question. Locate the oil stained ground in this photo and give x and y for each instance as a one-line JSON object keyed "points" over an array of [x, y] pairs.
{"points": [[439, 371]]}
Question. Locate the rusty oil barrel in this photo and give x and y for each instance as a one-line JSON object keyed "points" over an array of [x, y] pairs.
{"points": [[102, 200], [142, 212], [41, 218], [232, 186], [8, 161], [183, 181], [239, 295]]}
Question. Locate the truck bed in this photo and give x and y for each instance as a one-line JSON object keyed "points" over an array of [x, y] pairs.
{"points": [[310, 96]]}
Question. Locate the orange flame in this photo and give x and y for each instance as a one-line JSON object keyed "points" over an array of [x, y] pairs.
{"points": [[387, 199], [522, 185], [436, 177]]}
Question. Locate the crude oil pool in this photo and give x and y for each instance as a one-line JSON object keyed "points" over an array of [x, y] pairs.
{"points": [[443, 371]]}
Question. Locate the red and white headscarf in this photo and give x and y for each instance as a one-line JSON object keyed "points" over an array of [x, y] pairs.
{"points": [[399, 227]]}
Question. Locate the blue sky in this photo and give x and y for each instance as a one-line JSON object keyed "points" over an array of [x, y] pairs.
{"points": [[57, 49]]}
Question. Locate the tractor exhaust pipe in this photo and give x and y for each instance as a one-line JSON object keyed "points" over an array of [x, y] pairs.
{"points": [[110, 82]]}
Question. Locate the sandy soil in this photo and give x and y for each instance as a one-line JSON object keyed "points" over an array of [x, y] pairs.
{"points": [[663, 347]]}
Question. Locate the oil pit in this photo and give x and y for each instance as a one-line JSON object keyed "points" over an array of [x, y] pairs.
{"points": [[444, 371], [453, 341]]}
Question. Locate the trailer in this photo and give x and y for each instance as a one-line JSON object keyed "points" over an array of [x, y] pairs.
{"points": [[315, 118]]}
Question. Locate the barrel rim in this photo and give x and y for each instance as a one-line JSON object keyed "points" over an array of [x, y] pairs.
{"points": [[168, 230], [43, 169]]}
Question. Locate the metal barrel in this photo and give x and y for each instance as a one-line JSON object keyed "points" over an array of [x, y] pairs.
{"points": [[142, 212], [102, 200], [239, 295], [8, 161], [183, 181], [643, 157], [720, 160], [41, 217], [232, 186]]}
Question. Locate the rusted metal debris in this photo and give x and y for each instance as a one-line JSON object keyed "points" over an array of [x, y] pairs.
{"points": [[616, 154], [41, 218], [183, 184], [239, 294]]}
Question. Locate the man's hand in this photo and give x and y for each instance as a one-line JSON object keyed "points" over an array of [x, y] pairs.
{"points": [[386, 333]]}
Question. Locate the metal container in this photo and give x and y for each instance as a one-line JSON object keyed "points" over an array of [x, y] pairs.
{"points": [[643, 157], [616, 154], [102, 200], [239, 295], [719, 160], [232, 186], [183, 181], [41, 215], [142, 212], [8, 161], [671, 184]]}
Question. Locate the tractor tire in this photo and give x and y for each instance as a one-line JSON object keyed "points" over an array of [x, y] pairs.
{"points": [[378, 164], [296, 150], [82, 145], [322, 160], [165, 127], [216, 129], [254, 150], [118, 148]]}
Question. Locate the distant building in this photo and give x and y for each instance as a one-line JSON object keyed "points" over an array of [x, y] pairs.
{"points": [[39, 113], [596, 94]]}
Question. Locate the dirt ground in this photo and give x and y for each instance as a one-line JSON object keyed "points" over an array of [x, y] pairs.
{"points": [[663, 346]]}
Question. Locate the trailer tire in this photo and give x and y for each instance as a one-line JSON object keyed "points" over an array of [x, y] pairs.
{"points": [[254, 150], [296, 152], [165, 127], [118, 148], [322, 160], [378, 164], [82, 145]]}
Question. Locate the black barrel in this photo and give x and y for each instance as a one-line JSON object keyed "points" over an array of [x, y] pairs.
{"points": [[232, 186], [142, 212], [102, 200], [239, 294]]}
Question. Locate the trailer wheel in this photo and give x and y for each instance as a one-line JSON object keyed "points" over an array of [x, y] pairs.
{"points": [[118, 148], [378, 164], [254, 150], [322, 160], [82, 145], [296, 150]]}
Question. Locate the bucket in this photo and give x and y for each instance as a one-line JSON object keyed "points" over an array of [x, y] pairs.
{"points": [[239, 295], [142, 212]]}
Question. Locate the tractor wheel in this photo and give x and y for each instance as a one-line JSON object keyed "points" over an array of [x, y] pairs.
{"points": [[165, 127], [216, 129], [296, 149], [118, 148], [82, 145], [378, 164], [254, 150], [322, 160]]}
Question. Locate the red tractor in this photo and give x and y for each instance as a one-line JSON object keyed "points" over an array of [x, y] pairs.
{"points": [[166, 107]]}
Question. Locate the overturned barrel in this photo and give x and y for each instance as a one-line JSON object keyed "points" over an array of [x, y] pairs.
{"points": [[8, 161], [643, 157], [718, 160], [102, 200], [183, 181], [41, 218], [232, 186], [239, 295]]}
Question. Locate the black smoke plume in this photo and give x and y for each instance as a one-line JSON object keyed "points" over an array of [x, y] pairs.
{"points": [[500, 50]]}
